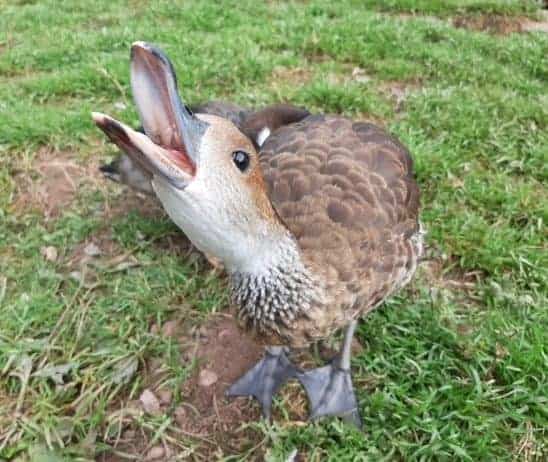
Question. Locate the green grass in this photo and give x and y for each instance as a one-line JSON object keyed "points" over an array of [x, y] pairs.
{"points": [[453, 368]]}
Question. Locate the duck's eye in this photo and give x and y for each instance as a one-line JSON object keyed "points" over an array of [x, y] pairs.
{"points": [[241, 160]]}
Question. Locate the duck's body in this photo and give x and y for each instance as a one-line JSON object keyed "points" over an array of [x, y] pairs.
{"points": [[315, 230], [346, 193]]}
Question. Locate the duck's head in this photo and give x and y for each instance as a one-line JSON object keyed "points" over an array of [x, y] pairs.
{"points": [[204, 170]]}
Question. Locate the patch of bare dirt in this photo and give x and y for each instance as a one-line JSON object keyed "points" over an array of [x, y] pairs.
{"points": [[399, 91], [53, 181], [224, 352], [88, 262], [535, 26], [101, 245], [427, 18], [296, 76], [436, 274], [213, 423], [51, 184], [500, 25], [54, 178], [129, 199], [490, 23], [447, 282]]}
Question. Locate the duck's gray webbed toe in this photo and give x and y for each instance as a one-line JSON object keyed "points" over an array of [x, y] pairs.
{"points": [[330, 393], [264, 379]]}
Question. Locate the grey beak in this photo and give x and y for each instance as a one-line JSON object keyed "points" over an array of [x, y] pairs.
{"points": [[166, 120], [173, 134]]}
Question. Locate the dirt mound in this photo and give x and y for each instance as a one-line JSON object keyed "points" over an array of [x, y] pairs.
{"points": [[500, 25], [52, 182], [224, 352]]}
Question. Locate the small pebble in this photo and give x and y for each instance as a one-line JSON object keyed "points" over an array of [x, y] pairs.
{"points": [[207, 378], [91, 250], [359, 75], [155, 453], [76, 276], [150, 402], [49, 253]]}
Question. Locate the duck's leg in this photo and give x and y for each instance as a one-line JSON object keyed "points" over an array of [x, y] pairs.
{"points": [[329, 388], [264, 379]]}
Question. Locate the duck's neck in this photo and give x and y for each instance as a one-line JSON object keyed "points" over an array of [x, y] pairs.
{"points": [[277, 288]]}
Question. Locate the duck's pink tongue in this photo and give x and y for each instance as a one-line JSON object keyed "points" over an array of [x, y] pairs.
{"points": [[173, 165]]}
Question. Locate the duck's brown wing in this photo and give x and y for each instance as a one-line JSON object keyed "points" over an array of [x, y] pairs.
{"points": [[259, 124], [348, 194], [233, 112]]}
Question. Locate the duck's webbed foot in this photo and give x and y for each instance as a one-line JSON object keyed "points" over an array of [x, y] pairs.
{"points": [[264, 379], [329, 388], [330, 392]]}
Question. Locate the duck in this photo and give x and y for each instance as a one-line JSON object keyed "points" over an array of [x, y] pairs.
{"points": [[256, 124], [315, 228]]}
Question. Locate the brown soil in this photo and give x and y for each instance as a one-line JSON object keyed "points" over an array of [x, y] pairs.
{"points": [[500, 25], [54, 179], [217, 425], [214, 423], [490, 23], [223, 353], [535, 26], [295, 76], [131, 200], [432, 271], [52, 182], [399, 91], [105, 246]]}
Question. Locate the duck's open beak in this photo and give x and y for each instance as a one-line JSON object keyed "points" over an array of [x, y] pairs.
{"points": [[170, 147]]}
